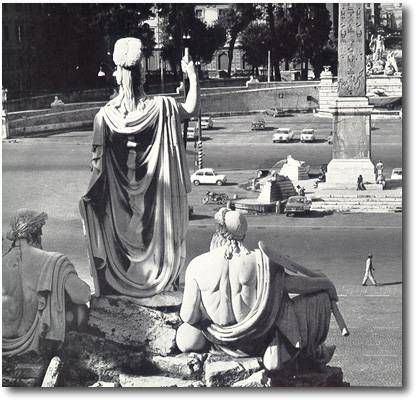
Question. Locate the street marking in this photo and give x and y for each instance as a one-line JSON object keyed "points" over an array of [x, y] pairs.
{"points": [[377, 295], [380, 355], [315, 227]]}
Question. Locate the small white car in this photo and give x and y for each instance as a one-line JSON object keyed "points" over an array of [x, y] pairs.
{"points": [[396, 173], [208, 176], [207, 123], [307, 135], [192, 133], [283, 135]]}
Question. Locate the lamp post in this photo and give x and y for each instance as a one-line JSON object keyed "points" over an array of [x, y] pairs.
{"points": [[268, 66], [185, 38], [199, 153]]}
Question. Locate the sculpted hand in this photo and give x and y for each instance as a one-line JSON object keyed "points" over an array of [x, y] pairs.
{"points": [[188, 67]]}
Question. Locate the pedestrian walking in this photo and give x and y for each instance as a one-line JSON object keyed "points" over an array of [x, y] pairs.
{"points": [[369, 271]]}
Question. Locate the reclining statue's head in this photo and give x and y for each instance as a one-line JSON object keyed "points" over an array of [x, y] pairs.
{"points": [[27, 224], [128, 57], [231, 231]]}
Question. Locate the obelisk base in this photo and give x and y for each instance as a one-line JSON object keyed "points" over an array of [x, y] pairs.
{"points": [[343, 173]]}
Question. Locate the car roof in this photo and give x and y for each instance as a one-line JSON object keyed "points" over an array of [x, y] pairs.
{"points": [[204, 169], [308, 130], [397, 169], [283, 129]]}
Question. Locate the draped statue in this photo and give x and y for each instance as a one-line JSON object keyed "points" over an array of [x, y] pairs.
{"points": [[135, 210], [42, 293]]}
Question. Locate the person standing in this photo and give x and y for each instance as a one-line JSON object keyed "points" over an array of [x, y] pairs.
{"points": [[369, 271], [379, 168]]}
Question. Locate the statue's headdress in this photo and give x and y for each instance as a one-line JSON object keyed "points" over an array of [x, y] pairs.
{"points": [[232, 229], [233, 222], [25, 223], [128, 52]]}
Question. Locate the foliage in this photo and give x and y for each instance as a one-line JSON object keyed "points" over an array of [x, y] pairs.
{"points": [[180, 20], [234, 20], [255, 41], [313, 26]]}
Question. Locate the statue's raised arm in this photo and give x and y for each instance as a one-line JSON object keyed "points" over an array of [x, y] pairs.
{"points": [[192, 103]]}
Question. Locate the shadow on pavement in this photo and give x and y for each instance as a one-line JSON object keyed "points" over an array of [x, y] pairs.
{"points": [[196, 217], [390, 283]]}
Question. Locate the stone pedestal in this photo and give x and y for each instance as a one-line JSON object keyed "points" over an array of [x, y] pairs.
{"points": [[352, 144], [124, 320]]}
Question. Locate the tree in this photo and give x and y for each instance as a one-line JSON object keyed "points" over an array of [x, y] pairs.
{"points": [[77, 38], [255, 41], [282, 33], [235, 20], [313, 27], [180, 20]]}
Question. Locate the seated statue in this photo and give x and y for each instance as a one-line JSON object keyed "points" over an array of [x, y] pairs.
{"points": [[238, 301], [42, 293]]}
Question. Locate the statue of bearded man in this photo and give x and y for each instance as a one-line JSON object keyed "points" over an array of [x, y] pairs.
{"points": [[238, 301], [135, 210], [42, 293]]}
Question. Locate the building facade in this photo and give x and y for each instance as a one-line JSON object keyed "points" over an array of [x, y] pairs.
{"points": [[21, 25]]}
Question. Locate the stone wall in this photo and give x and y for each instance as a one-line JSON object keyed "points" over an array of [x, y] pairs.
{"points": [[290, 98]]}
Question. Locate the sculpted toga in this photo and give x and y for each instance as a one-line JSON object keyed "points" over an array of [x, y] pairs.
{"points": [[135, 210], [41, 292], [238, 300]]}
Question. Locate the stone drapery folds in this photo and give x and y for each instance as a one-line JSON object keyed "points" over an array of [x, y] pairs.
{"points": [[135, 210]]}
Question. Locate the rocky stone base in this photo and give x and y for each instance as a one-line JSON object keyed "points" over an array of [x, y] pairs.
{"points": [[23, 371], [128, 344], [323, 377], [124, 320]]}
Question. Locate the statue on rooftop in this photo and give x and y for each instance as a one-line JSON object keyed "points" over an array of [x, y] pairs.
{"points": [[237, 300], [42, 293], [135, 210]]}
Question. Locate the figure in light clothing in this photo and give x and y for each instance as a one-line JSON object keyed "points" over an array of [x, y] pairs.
{"points": [[369, 271]]}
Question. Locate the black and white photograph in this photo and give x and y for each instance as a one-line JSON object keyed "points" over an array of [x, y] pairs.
{"points": [[203, 195]]}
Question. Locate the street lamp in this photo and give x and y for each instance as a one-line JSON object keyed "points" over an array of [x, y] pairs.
{"points": [[185, 38]]}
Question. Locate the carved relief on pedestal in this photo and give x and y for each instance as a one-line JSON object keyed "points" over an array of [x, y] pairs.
{"points": [[351, 57]]}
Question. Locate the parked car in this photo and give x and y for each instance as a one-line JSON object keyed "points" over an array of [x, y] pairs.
{"points": [[283, 135], [258, 124], [206, 122], [297, 205], [208, 176], [192, 132], [396, 173], [307, 135]]}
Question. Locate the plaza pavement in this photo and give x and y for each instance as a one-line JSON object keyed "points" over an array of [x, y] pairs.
{"points": [[52, 173]]}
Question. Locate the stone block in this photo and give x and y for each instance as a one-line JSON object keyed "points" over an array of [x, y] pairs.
{"points": [[134, 381], [26, 370], [88, 359], [324, 377], [257, 380], [343, 173], [222, 370], [122, 320], [185, 366]]}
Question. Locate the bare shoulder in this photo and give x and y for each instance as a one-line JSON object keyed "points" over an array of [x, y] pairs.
{"points": [[204, 261]]}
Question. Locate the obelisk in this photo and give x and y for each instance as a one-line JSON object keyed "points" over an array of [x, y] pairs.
{"points": [[351, 152]]}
